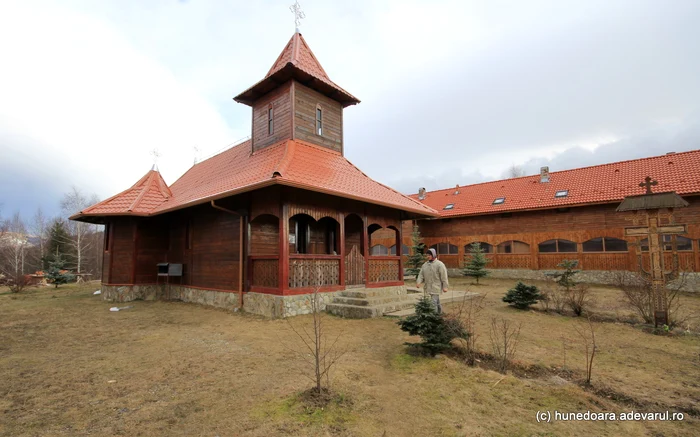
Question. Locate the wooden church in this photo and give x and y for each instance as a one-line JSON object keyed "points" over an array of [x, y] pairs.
{"points": [[263, 224]]}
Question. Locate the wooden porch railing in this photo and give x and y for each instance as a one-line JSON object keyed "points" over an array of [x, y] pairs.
{"points": [[264, 271], [384, 269], [314, 270]]}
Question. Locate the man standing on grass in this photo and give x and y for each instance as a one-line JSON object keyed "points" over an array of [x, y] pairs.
{"points": [[434, 274]]}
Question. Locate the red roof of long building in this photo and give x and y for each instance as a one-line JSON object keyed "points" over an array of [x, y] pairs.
{"points": [[607, 183], [291, 162]]}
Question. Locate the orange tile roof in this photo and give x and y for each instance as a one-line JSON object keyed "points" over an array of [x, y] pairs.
{"points": [[607, 183], [141, 199], [236, 170], [297, 61]]}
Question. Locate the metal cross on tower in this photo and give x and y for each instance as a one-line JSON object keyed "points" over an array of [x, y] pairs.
{"points": [[298, 14], [156, 155]]}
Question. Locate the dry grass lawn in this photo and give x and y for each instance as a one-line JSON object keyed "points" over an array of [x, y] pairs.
{"points": [[69, 367]]}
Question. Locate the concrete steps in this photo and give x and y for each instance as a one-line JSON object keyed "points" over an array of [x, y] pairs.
{"points": [[446, 298], [367, 303]]}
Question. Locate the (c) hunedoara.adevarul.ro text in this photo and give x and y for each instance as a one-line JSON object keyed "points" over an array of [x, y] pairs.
{"points": [[569, 416]]}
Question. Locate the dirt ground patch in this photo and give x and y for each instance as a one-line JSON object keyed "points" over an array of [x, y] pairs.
{"points": [[70, 367]]}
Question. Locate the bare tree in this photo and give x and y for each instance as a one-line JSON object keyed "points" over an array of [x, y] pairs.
{"points": [[73, 202], [515, 171], [13, 245], [38, 227], [320, 354], [469, 312], [504, 336], [587, 334]]}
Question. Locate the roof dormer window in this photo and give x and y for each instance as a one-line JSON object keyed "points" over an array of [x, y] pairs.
{"points": [[499, 201], [561, 193]]}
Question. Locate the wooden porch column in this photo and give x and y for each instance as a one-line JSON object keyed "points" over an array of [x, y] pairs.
{"points": [[365, 248], [284, 249], [399, 249], [579, 253], [534, 254], [341, 250]]}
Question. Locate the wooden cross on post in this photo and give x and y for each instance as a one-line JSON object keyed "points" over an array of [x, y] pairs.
{"points": [[652, 203], [648, 183]]}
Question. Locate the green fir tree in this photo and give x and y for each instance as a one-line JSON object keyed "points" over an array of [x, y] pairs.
{"points": [[435, 329], [417, 258], [475, 262], [565, 278], [522, 296], [58, 244], [56, 273]]}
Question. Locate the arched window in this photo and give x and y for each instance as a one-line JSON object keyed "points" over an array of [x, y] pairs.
{"points": [[513, 246], [605, 244], [485, 247], [554, 246], [379, 250], [404, 250], [445, 249], [683, 244]]}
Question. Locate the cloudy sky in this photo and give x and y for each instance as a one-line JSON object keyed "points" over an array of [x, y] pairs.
{"points": [[452, 91]]}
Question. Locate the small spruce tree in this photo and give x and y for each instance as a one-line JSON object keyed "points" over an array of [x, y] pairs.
{"points": [[416, 258], [435, 329], [565, 278], [56, 273], [475, 262], [522, 295]]}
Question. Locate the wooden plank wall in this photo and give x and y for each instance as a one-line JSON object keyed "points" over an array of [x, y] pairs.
{"points": [[265, 235], [305, 103], [122, 256], [215, 246], [281, 101], [151, 248]]}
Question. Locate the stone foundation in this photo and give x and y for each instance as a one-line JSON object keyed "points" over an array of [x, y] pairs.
{"points": [[268, 305], [598, 277], [127, 293], [274, 306]]}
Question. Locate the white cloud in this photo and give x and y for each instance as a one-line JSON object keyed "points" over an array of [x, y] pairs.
{"points": [[93, 105]]}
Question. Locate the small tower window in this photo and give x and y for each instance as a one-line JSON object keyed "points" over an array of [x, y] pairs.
{"points": [[270, 125], [319, 121]]}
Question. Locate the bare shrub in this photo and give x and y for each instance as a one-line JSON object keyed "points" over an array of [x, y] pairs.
{"points": [[638, 294], [587, 334], [469, 312], [18, 283], [638, 291], [319, 353], [578, 298], [504, 335]]}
